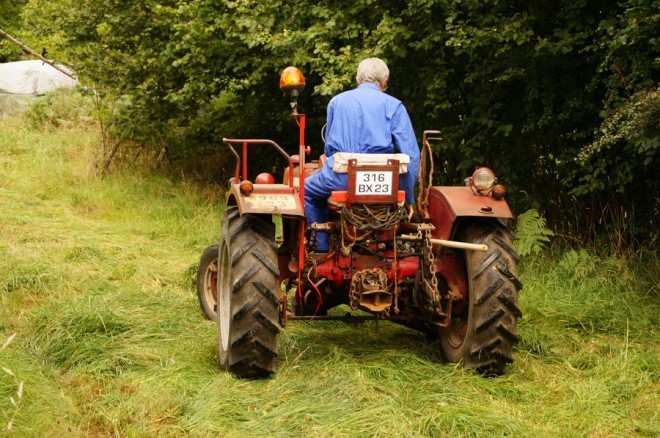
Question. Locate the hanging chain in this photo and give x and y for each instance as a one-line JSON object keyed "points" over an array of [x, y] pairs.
{"points": [[431, 283], [396, 280]]}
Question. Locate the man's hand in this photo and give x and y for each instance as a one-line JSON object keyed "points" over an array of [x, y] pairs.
{"points": [[409, 210]]}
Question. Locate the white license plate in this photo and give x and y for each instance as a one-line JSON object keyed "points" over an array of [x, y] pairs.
{"points": [[373, 183]]}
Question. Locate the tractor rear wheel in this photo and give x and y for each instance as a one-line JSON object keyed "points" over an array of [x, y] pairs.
{"points": [[207, 282], [248, 305], [484, 333]]}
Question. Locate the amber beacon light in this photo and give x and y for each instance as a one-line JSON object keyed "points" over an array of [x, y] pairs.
{"points": [[292, 79], [292, 82]]}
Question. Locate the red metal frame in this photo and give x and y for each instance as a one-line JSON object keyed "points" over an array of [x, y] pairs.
{"points": [[341, 196], [444, 204], [303, 150], [241, 172]]}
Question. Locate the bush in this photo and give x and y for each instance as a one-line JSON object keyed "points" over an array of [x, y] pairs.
{"points": [[64, 107]]}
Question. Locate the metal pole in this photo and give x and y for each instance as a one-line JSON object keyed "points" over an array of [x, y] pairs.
{"points": [[26, 49], [450, 243]]}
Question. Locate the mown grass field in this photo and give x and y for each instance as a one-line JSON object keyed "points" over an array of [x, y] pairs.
{"points": [[97, 299]]}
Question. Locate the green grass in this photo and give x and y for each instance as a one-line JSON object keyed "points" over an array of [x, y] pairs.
{"points": [[96, 281]]}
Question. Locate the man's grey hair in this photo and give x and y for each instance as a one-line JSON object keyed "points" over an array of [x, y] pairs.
{"points": [[373, 70]]}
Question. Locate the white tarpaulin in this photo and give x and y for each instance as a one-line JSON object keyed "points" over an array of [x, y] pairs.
{"points": [[32, 77], [22, 81]]}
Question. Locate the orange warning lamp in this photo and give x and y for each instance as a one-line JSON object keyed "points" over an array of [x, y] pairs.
{"points": [[292, 82], [292, 79]]}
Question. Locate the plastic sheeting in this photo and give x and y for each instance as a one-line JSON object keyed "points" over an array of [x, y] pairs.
{"points": [[32, 77], [22, 81], [14, 104]]}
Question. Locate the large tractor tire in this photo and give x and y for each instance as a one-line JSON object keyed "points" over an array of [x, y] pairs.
{"points": [[248, 304], [207, 282], [484, 333]]}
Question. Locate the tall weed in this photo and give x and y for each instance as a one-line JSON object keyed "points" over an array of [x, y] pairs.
{"points": [[15, 395]]}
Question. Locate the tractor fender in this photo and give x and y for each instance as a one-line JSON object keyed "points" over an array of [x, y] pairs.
{"points": [[271, 199], [447, 205]]}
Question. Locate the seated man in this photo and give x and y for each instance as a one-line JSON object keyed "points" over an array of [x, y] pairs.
{"points": [[362, 120]]}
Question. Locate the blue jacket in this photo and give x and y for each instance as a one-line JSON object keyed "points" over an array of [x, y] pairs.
{"points": [[367, 120]]}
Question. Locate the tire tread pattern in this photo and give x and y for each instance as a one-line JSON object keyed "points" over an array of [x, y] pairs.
{"points": [[254, 276], [487, 344], [496, 310]]}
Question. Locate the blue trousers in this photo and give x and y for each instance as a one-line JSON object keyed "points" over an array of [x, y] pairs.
{"points": [[317, 189]]}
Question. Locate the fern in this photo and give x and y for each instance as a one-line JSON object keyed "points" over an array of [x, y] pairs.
{"points": [[531, 233]]}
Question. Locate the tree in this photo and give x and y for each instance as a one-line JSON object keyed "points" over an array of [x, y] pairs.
{"points": [[552, 95], [10, 22]]}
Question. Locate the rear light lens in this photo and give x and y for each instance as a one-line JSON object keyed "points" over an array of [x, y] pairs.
{"points": [[499, 191], [246, 187], [264, 178]]}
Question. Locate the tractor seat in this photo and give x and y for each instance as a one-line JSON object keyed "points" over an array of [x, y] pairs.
{"points": [[341, 160]]}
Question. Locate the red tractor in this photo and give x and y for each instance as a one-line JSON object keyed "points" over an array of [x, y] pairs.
{"points": [[451, 275]]}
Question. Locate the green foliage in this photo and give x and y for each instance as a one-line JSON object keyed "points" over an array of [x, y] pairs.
{"points": [[60, 108], [10, 22], [625, 152], [523, 87], [594, 292], [531, 233], [636, 122]]}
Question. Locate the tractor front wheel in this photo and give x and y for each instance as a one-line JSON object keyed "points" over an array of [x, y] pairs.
{"points": [[483, 334], [248, 305], [207, 282]]}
